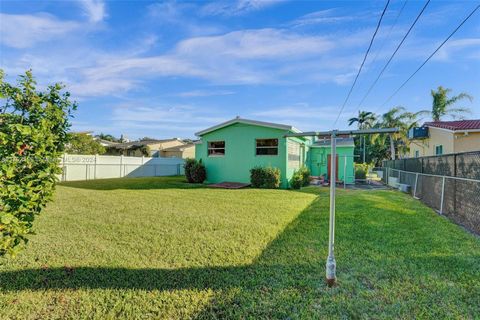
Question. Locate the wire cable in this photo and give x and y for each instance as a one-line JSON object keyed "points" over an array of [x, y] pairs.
{"points": [[431, 55], [389, 32], [393, 55], [363, 62]]}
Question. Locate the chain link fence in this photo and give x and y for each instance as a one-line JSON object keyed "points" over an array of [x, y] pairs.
{"points": [[455, 197], [461, 165]]}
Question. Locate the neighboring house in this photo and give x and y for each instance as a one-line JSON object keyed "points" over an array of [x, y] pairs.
{"points": [[230, 149], [150, 148], [182, 151], [444, 137]]}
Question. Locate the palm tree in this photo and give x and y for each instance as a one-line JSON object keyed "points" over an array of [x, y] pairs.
{"points": [[398, 117], [364, 120], [443, 106]]}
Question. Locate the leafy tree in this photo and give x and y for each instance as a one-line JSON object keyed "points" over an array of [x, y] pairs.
{"points": [[33, 134], [443, 106], [397, 117], [81, 143], [365, 120], [107, 137]]}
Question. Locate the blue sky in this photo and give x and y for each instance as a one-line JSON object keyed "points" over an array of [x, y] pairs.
{"points": [[169, 69]]}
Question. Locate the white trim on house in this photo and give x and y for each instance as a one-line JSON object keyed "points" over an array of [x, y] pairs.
{"points": [[247, 121]]}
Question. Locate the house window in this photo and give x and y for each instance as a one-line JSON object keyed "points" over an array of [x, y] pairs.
{"points": [[216, 148], [438, 150], [294, 154], [266, 147], [417, 153]]}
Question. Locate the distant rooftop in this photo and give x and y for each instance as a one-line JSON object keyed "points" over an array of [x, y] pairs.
{"points": [[455, 125]]}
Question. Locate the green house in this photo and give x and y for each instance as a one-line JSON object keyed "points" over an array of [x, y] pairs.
{"points": [[230, 149]]}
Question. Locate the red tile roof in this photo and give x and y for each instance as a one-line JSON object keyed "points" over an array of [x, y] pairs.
{"points": [[455, 125]]}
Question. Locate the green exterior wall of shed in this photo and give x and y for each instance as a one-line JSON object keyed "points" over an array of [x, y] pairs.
{"points": [[318, 162], [240, 153]]}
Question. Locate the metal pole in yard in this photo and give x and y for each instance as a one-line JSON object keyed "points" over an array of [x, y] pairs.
{"points": [[415, 188], [345, 173], [331, 263], [443, 193]]}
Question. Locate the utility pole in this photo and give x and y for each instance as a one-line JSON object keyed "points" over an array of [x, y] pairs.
{"points": [[331, 264]]}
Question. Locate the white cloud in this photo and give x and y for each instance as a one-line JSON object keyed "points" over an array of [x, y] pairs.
{"points": [[229, 58], [238, 7], [304, 116], [23, 31], [252, 44], [205, 93], [454, 46], [94, 9]]}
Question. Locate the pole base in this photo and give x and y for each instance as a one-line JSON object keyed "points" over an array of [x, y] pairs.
{"points": [[330, 282]]}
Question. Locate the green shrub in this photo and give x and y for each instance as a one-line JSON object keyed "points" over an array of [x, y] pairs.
{"points": [[305, 173], [33, 136], [189, 163], [361, 170], [296, 182], [265, 177], [195, 171]]}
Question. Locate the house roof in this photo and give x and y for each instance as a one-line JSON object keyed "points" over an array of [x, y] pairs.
{"points": [[341, 142], [180, 148], [247, 121], [455, 125]]}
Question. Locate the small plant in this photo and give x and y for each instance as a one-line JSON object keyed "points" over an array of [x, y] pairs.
{"points": [[265, 177], [195, 171], [296, 182], [305, 173]]}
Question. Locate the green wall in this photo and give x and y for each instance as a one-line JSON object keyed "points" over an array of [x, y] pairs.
{"points": [[240, 154], [318, 161]]}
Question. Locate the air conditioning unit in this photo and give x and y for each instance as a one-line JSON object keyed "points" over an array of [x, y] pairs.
{"points": [[418, 133]]}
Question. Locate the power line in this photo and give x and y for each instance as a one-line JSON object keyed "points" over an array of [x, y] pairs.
{"points": [[389, 32], [363, 62], [393, 55], [431, 55]]}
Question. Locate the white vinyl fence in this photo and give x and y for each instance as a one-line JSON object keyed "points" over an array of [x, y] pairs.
{"points": [[89, 167]]}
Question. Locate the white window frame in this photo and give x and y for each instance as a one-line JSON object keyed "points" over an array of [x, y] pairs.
{"points": [[211, 148], [266, 147]]}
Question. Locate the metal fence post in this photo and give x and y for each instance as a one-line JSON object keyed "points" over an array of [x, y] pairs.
{"points": [[443, 193], [415, 188]]}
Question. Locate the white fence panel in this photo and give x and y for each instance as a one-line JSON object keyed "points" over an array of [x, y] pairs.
{"points": [[89, 167]]}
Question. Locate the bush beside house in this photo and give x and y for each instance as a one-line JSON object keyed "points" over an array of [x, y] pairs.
{"points": [[300, 178], [195, 171], [265, 177]]}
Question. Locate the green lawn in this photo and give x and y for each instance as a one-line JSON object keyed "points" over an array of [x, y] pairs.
{"points": [[159, 248]]}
